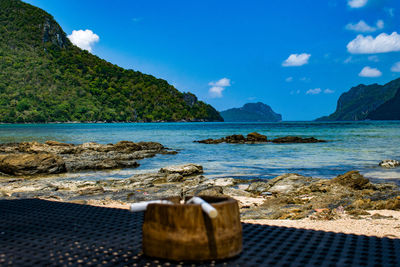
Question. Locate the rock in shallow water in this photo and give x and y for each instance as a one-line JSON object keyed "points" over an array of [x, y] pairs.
{"points": [[31, 164], [254, 138], [389, 163], [69, 157]]}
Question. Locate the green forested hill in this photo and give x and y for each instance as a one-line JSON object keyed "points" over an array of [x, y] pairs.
{"points": [[44, 78], [360, 101], [251, 112]]}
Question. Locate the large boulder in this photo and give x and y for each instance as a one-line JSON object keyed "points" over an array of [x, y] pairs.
{"points": [[353, 180], [256, 137], [289, 183], [126, 146], [236, 138], [184, 170], [31, 164]]}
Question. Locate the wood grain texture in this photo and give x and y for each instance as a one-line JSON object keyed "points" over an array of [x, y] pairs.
{"points": [[184, 232]]}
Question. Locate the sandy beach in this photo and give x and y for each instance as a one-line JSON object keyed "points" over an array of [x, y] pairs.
{"points": [[380, 223]]}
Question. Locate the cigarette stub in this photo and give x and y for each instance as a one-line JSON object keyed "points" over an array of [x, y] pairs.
{"points": [[142, 206], [207, 208]]}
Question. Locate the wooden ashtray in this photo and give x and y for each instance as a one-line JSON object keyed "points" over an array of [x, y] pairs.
{"points": [[183, 232]]}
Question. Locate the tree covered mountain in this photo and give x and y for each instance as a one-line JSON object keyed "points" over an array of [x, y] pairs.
{"points": [[361, 100], [257, 112], [45, 78], [390, 110]]}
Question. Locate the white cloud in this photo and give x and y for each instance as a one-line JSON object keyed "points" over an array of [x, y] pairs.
{"points": [[315, 91], [224, 82], [289, 79], [373, 58], [396, 67], [84, 39], [218, 87], [295, 92], [296, 60], [370, 72], [216, 91], [348, 60], [383, 43], [305, 79], [380, 24], [357, 3], [362, 26]]}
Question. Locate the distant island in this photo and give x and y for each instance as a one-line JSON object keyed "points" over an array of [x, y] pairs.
{"points": [[374, 102], [45, 78], [251, 112]]}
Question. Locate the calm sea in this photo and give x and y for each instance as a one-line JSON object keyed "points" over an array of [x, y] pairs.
{"points": [[352, 146]]}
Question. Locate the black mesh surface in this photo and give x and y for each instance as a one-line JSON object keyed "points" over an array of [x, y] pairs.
{"points": [[42, 233]]}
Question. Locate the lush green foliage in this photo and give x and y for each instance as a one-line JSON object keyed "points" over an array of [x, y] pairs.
{"points": [[251, 112], [390, 110], [361, 100], [44, 78]]}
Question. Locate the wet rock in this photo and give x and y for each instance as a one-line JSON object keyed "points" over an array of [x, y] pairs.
{"points": [[353, 179], [210, 141], [296, 139], [127, 146], [31, 164], [235, 139], [184, 170], [389, 163], [87, 156], [256, 137]]}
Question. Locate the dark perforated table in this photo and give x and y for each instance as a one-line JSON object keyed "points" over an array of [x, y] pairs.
{"points": [[41, 233]]}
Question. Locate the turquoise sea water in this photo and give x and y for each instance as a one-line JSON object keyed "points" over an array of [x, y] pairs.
{"points": [[352, 146]]}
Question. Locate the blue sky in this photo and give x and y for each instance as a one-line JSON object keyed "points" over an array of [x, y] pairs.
{"points": [[296, 56]]}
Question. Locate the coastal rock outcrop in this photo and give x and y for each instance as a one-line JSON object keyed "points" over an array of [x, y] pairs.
{"points": [[289, 196], [184, 170], [31, 164], [354, 180], [389, 163], [296, 139], [251, 138], [254, 138], [30, 158]]}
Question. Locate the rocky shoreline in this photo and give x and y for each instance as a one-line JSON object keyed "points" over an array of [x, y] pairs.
{"points": [[255, 138], [289, 196], [52, 157]]}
